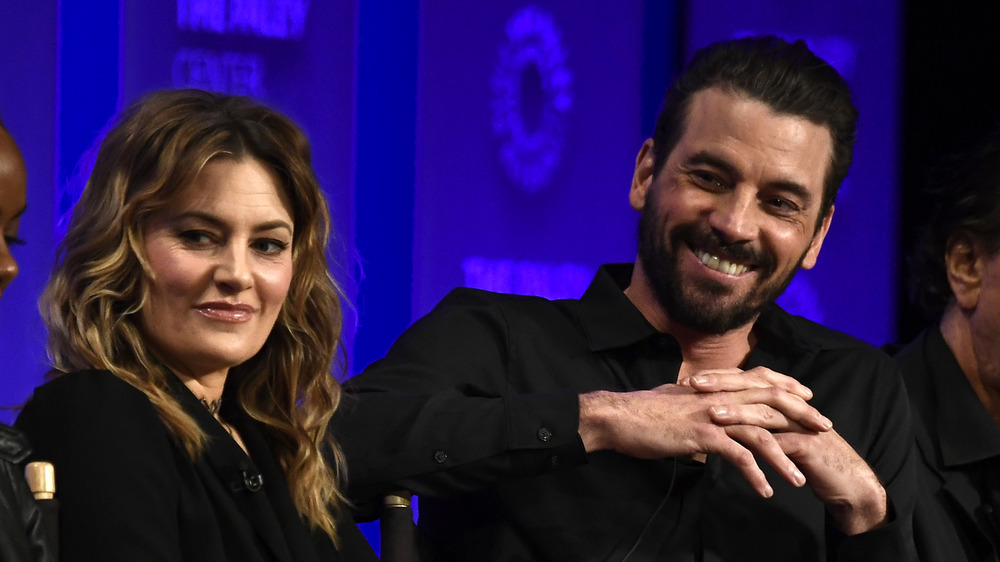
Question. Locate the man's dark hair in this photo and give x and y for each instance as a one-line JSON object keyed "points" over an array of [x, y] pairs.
{"points": [[787, 77], [963, 193]]}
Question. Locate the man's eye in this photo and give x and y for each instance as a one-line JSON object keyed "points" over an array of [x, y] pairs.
{"points": [[706, 178], [782, 205], [14, 241]]}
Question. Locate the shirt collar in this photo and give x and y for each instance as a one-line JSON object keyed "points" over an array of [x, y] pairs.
{"points": [[966, 430], [776, 327], [608, 318]]}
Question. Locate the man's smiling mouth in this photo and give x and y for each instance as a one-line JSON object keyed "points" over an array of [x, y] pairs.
{"points": [[720, 264]]}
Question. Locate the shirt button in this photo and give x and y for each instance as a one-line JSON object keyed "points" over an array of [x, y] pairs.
{"points": [[544, 435], [253, 481], [440, 457], [554, 461]]}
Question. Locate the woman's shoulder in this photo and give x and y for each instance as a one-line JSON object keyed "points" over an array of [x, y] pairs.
{"points": [[95, 384], [95, 391], [87, 403]]}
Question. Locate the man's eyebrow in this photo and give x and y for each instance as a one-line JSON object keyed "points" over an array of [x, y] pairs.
{"points": [[704, 158]]}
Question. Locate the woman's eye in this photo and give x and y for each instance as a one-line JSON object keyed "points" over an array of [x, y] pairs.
{"points": [[195, 237], [270, 246]]}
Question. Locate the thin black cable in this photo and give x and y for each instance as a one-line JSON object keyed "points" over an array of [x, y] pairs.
{"points": [[649, 523]]}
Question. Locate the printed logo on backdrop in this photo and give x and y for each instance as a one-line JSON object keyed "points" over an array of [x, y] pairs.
{"points": [[229, 71], [532, 96], [242, 73]]}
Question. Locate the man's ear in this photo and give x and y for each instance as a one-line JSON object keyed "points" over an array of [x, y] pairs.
{"points": [[812, 254], [642, 178], [963, 262]]}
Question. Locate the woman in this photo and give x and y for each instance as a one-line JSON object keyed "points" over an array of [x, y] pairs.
{"points": [[22, 537], [193, 325]]}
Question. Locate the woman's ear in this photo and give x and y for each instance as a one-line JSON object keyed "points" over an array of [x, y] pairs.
{"points": [[963, 261]]}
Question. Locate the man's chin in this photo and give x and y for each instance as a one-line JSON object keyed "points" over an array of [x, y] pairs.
{"points": [[714, 314], [718, 322]]}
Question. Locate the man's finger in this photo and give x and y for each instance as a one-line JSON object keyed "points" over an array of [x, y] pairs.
{"points": [[763, 445], [768, 408], [744, 461], [731, 380]]}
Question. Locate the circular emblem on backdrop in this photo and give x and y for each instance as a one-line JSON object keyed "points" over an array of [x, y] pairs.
{"points": [[532, 95]]}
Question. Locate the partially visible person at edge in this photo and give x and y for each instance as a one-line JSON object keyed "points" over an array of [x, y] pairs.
{"points": [[674, 412], [193, 325], [21, 534], [952, 369]]}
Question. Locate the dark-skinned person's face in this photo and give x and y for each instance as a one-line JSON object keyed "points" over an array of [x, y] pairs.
{"points": [[13, 195]]}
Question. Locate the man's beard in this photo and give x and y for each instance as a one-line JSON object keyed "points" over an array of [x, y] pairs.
{"points": [[702, 308]]}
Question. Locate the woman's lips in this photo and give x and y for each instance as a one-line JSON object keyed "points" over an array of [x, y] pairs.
{"points": [[226, 312]]}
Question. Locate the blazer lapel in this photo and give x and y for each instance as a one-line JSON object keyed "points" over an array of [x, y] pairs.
{"points": [[279, 521], [243, 481]]}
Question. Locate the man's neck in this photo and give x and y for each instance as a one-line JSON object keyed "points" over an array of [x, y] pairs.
{"points": [[957, 335], [699, 350]]}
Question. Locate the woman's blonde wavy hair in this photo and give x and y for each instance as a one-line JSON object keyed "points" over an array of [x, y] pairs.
{"points": [[155, 149]]}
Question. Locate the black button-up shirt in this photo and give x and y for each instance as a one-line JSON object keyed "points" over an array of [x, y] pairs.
{"points": [[958, 509], [483, 374]]}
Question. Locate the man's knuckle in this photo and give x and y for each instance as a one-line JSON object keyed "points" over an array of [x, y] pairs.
{"points": [[767, 413], [761, 438], [744, 457]]}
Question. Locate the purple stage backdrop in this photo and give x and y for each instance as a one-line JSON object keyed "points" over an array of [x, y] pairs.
{"points": [[527, 192], [528, 124], [488, 144], [28, 32], [512, 134]]}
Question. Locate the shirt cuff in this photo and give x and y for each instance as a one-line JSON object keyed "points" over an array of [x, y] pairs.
{"points": [[543, 431], [891, 541]]}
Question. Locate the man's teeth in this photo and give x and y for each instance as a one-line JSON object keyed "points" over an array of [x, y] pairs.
{"points": [[725, 266]]}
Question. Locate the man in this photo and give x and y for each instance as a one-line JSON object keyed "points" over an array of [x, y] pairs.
{"points": [[673, 412], [952, 370]]}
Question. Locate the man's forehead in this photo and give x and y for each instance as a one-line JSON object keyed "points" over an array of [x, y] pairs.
{"points": [[733, 125], [721, 97]]}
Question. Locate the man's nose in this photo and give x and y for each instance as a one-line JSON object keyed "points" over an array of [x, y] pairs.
{"points": [[734, 218]]}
